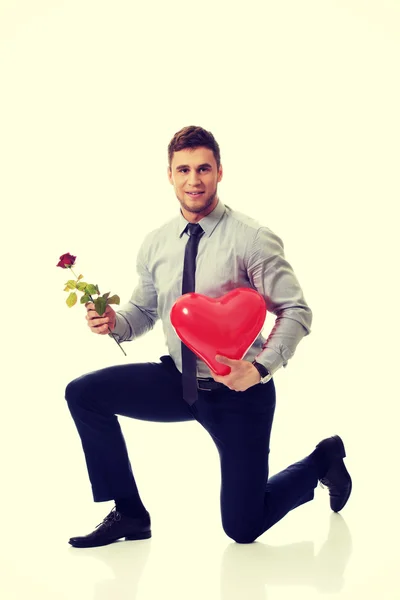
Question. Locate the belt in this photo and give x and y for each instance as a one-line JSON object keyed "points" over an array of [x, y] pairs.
{"points": [[208, 384]]}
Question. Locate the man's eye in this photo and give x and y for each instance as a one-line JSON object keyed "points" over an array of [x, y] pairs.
{"points": [[201, 169]]}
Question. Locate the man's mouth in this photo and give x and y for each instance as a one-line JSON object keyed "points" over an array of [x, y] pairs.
{"points": [[194, 194]]}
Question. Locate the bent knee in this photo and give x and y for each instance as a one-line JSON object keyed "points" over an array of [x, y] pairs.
{"points": [[241, 534], [73, 390]]}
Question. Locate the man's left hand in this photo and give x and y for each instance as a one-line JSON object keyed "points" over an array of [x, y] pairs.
{"points": [[242, 376]]}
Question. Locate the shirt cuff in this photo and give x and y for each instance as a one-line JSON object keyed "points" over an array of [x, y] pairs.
{"points": [[272, 360], [122, 328]]}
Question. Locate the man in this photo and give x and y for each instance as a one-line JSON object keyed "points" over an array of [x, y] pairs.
{"points": [[211, 249]]}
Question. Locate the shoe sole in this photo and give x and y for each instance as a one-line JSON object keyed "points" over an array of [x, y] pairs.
{"points": [[336, 510], [139, 536], [341, 455], [135, 536]]}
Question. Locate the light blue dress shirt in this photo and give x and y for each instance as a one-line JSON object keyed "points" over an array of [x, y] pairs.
{"points": [[235, 251]]}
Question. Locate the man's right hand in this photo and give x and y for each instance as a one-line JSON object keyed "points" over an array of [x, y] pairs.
{"points": [[100, 324]]}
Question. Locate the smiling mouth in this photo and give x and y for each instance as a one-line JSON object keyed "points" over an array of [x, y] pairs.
{"points": [[194, 194]]}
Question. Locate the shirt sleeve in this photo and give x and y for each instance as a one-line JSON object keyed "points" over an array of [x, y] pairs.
{"points": [[273, 277], [139, 315]]}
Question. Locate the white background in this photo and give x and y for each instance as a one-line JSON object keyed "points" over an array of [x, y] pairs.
{"points": [[303, 99]]}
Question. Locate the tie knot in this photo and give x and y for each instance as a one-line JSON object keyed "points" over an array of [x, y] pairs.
{"points": [[194, 229]]}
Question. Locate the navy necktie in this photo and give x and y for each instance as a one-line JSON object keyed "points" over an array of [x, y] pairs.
{"points": [[189, 380]]}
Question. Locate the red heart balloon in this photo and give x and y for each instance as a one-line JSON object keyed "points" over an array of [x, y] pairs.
{"points": [[227, 325]]}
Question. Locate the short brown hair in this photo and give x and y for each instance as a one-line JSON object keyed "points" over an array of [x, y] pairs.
{"points": [[193, 137]]}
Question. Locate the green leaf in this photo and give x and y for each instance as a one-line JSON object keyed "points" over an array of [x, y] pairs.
{"points": [[80, 277], [85, 298], [66, 289], [81, 286], [105, 296], [113, 300], [100, 305], [71, 284], [71, 300], [91, 289]]}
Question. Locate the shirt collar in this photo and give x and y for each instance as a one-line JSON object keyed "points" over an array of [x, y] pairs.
{"points": [[208, 223]]}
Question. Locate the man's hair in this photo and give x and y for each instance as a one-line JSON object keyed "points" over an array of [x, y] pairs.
{"points": [[193, 137]]}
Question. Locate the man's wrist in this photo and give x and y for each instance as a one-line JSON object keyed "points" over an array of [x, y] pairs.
{"points": [[265, 374], [259, 375]]}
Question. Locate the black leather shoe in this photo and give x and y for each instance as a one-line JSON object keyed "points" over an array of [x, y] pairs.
{"points": [[337, 478], [114, 527]]}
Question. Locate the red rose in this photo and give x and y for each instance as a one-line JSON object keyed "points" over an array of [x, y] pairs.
{"points": [[66, 260]]}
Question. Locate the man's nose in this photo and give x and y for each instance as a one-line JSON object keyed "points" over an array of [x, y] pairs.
{"points": [[194, 178]]}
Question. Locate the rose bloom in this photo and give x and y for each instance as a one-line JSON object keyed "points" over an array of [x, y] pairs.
{"points": [[66, 260]]}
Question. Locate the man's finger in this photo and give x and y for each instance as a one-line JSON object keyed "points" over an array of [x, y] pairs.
{"points": [[231, 362]]}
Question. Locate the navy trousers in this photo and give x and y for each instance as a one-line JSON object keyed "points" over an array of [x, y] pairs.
{"points": [[238, 422]]}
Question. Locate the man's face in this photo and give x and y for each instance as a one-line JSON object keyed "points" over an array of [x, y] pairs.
{"points": [[195, 170]]}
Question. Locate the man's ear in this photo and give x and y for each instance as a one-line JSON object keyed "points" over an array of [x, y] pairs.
{"points": [[169, 173]]}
